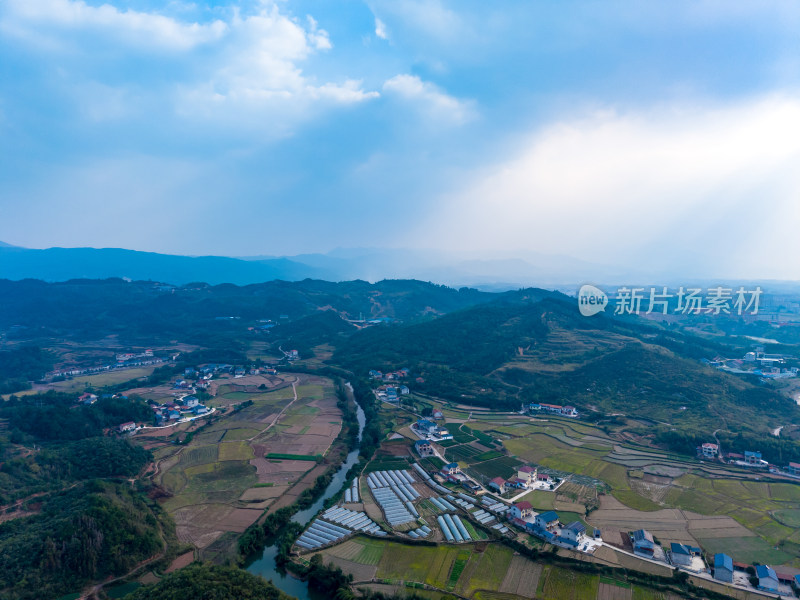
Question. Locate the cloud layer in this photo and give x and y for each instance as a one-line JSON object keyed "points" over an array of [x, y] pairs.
{"points": [[662, 134]]}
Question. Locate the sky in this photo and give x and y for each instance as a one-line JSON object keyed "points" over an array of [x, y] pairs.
{"points": [[661, 135]]}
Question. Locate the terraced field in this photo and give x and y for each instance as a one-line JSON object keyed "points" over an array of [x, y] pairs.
{"points": [[220, 482]]}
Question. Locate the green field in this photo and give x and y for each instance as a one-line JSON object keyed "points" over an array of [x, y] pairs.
{"points": [[789, 517], [746, 549], [465, 453], [504, 467], [199, 455], [235, 451], [240, 433], [458, 567], [279, 456], [562, 584]]}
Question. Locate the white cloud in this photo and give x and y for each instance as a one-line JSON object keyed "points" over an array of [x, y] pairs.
{"points": [[318, 37], [380, 29], [433, 101], [147, 29], [429, 17], [704, 190], [243, 72]]}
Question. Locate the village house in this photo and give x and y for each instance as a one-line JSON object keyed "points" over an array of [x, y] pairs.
{"points": [[643, 542], [442, 433], [546, 520], [438, 415], [793, 468], [521, 510], [87, 398], [425, 426], [544, 477], [527, 474], [404, 391], [709, 450], [767, 578], [572, 533], [423, 448], [498, 484], [190, 401], [516, 482], [753, 458], [125, 427], [723, 568], [200, 409], [375, 374], [681, 554], [450, 469]]}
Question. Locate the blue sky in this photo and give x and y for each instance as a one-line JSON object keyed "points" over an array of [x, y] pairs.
{"points": [[659, 133]]}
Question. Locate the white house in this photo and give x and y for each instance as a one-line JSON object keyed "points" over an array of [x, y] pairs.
{"points": [[572, 533], [521, 510], [527, 474], [709, 450], [129, 426]]}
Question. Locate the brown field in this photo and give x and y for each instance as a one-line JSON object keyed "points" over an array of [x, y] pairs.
{"points": [[668, 525], [212, 481], [291, 496], [184, 560], [611, 556], [522, 577], [201, 524], [280, 472], [607, 591], [360, 572], [263, 493]]}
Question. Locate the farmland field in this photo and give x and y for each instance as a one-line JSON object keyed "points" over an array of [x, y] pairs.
{"points": [[746, 549], [213, 479], [561, 584], [646, 480], [504, 467]]}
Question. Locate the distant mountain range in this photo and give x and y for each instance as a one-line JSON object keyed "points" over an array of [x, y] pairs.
{"points": [[558, 272], [62, 264]]}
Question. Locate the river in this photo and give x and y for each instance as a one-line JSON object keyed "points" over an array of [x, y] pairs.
{"points": [[264, 562]]}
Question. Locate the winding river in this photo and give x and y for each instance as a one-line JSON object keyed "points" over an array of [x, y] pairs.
{"points": [[264, 562]]}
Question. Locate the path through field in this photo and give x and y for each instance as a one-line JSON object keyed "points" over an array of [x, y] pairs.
{"points": [[280, 414]]}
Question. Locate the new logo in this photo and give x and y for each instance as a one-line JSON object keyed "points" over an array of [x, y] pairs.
{"points": [[591, 300]]}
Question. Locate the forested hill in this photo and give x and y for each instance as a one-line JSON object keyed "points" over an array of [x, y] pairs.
{"points": [[97, 308], [536, 347]]}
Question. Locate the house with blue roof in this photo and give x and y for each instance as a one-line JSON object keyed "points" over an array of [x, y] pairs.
{"points": [[752, 458], [767, 578], [425, 426], [546, 519], [723, 568], [643, 542], [450, 469], [423, 448], [681, 554], [572, 533]]}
